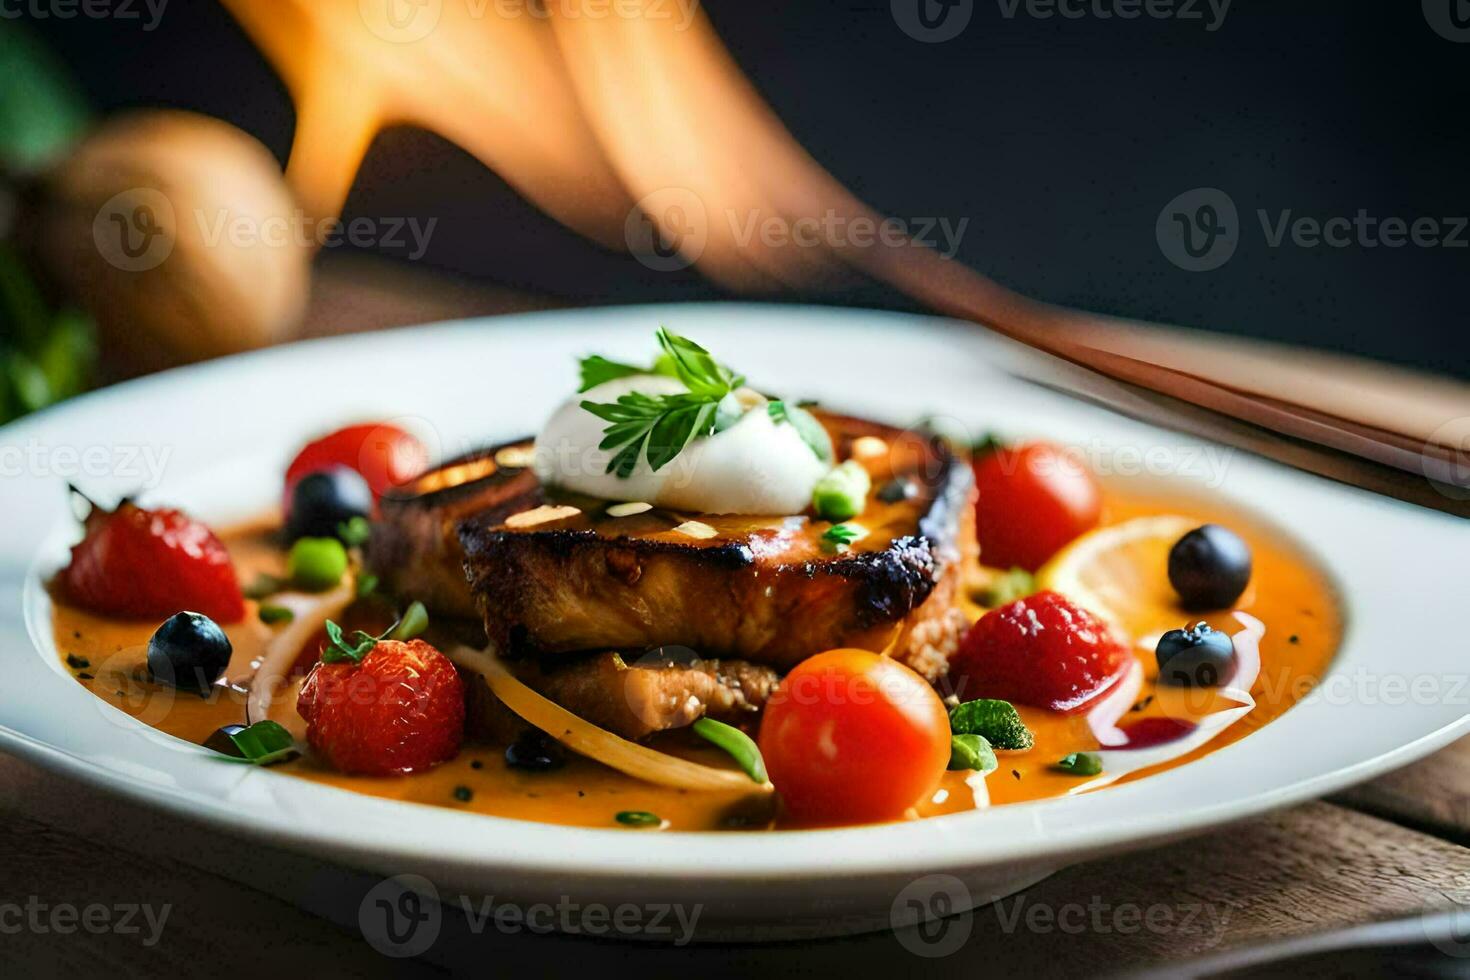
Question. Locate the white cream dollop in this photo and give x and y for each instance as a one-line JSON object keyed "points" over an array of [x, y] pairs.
{"points": [[756, 466]]}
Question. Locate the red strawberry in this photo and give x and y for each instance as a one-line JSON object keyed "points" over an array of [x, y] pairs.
{"points": [[1042, 650], [144, 564], [400, 709]]}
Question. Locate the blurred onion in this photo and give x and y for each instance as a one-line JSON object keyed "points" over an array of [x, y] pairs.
{"points": [[179, 233]]}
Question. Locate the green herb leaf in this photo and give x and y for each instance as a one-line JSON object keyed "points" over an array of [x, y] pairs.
{"points": [[663, 425], [971, 752], [739, 745], [355, 532], [843, 492], [264, 743], [413, 622], [598, 370], [1081, 763], [638, 818], [367, 584], [270, 615], [342, 648], [812, 432], [839, 537], [997, 721]]}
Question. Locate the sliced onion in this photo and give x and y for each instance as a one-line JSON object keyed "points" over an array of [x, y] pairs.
{"points": [[281, 652], [587, 739]]}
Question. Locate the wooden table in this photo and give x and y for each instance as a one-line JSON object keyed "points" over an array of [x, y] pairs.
{"points": [[1397, 847]]}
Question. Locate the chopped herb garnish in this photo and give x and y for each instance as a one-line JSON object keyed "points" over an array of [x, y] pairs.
{"points": [[355, 531], [367, 584], [77, 663], [464, 794], [1007, 587], [1141, 705], [342, 648], [988, 443], [264, 743], [1293, 638], [1081, 763], [739, 745], [476, 764], [839, 537], [598, 370], [638, 818], [997, 721], [85, 676], [413, 622], [263, 586], [660, 426], [843, 492], [270, 615], [811, 431], [971, 752]]}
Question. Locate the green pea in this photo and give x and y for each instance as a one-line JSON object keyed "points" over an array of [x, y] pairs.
{"points": [[317, 564], [842, 493]]}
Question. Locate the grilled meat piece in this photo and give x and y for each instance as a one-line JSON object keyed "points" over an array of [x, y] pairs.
{"points": [[554, 575]]}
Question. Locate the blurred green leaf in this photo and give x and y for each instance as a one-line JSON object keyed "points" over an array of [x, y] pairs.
{"points": [[42, 113]]}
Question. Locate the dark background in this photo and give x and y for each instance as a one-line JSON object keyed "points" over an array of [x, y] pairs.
{"points": [[1061, 140]]}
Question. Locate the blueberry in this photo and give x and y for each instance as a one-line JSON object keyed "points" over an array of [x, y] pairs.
{"points": [[1197, 657], [189, 652], [1210, 567], [534, 751], [323, 501]]}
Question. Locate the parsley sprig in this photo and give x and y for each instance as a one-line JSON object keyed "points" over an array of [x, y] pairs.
{"points": [[660, 426]]}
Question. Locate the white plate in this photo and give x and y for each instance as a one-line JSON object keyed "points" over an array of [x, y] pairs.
{"points": [[225, 430]]}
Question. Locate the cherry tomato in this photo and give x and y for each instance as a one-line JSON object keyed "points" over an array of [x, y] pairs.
{"points": [[854, 737], [1034, 499], [385, 455]]}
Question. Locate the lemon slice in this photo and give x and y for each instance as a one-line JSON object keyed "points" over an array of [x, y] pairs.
{"points": [[1120, 572]]}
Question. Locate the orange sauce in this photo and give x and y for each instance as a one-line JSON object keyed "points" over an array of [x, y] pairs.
{"points": [[1288, 593]]}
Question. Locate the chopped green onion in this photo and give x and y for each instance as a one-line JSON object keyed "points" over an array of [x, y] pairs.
{"points": [[997, 721], [270, 615], [738, 744], [843, 492], [464, 794], [839, 537], [264, 743], [355, 532], [971, 752], [1081, 763], [1007, 587], [638, 818], [317, 564], [413, 622]]}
